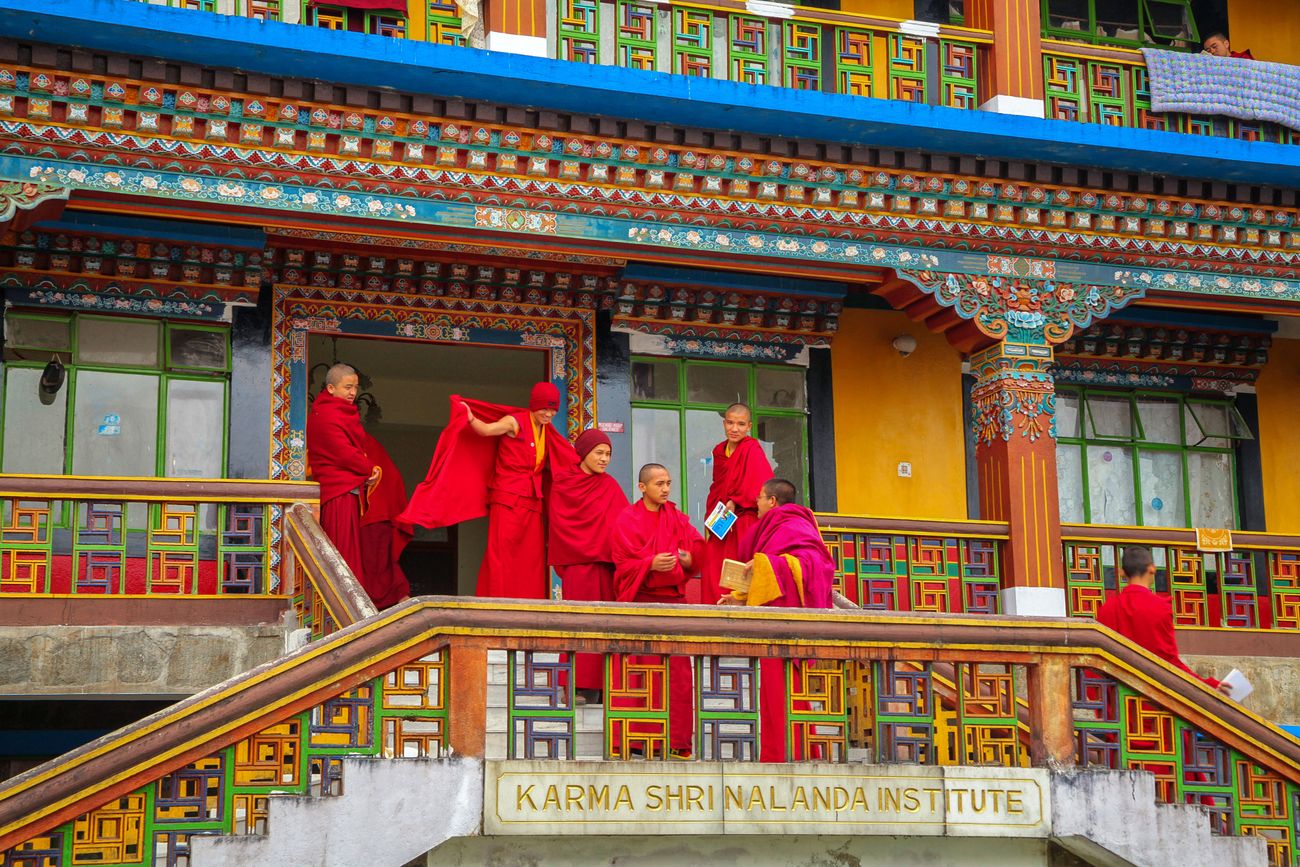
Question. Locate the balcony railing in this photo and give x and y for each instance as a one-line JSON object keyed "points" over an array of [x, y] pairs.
{"points": [[1255, 585]]}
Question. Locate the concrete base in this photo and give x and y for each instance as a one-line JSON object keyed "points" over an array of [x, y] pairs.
{"points": [[1033, 601], [534, 46], [1017, 105]]}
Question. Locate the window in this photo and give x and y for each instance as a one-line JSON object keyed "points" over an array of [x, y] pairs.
{"points": [[1148, 459], [263, 10], [386, 24], [1167, 23], [677, 408], [141, 398], [329, 17]]}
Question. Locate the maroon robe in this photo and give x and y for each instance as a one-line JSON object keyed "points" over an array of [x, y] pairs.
{"points": [[581, 513], [337, 461], [739, 478], [786, 531], [383, 537], [639, 536]]}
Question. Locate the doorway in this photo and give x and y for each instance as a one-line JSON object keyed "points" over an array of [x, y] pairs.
{"points": [[404, 405]]}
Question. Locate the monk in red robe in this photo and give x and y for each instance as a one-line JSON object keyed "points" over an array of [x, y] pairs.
{"points": [[582, 513], [1141, 616], [498, 461], [383, 536], [789, 567], [337, 461], [655, 549], [739, 469]]}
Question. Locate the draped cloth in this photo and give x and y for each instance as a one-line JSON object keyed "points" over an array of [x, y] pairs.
{"points": [[1234, 86], [383, 536], [791, 569], [639, 536], [471, 476], [337, 461], [738, 477]]}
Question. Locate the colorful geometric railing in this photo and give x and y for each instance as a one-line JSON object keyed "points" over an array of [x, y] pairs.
{"points": [[1255, 585], [900, 564], [326, 595], [497, 679], [1110, 86], [424, 20], [94, 536], [798, 47]]}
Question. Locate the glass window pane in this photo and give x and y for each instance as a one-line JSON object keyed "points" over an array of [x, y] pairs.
{"points": [[1207, 425], [196, 424], [1067, 414], [23, 332], [115, 424], [131, 342], [33, 432], [1209, 480], [201, 349], [654, 380], [1069, 474], [703, 432], [780, 388], [1161, 474], [782, 438], [1110, 485], [1110, 416], [712, 383], [657, 438], [1160, 420]]}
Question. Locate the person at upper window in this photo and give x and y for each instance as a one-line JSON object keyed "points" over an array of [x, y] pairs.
{"points": [[1218, 45]]}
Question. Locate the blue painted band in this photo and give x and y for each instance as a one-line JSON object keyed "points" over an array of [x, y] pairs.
{"points": [[754, 282], [148, 227]]}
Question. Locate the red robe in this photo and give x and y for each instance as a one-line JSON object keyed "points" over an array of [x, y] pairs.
{"points": [[383, 537], [1147, 620], [581, 513], [471, 476], [337, 461], [639, 536], [739, 478], [792, 569]]}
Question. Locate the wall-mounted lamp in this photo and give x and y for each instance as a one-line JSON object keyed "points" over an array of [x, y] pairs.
{"points": [[52, 378], [904, 344]]}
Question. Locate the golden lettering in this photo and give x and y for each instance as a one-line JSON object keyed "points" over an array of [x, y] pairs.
{"points": [[624, 798], [933, 792], [800, 797], [911, 799], [756, 797], [860, 797], [674, 794], [573, 797], [598, 797], [1014, 805], [978, 805], [841, 798], [772, 803], [731, 798], [995, 794], [522, 794], [888, 800], [654, 800], [710, 799], [959, 794], [552, 797], [822, 797], [694, 797]]}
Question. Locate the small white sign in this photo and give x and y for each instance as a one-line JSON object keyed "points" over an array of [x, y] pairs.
{"points": [[904, 470]]}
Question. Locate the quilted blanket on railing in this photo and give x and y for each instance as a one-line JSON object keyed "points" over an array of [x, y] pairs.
{"points": [[1235, 87]]}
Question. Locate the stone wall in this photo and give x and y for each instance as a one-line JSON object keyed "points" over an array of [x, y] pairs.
{"points": [[1276, 680]]}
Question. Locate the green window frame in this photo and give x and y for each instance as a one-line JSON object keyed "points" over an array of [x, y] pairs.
{"points": [[386, 23], [1150, 21], [677, 398], [1134, 449], [186, 353]]}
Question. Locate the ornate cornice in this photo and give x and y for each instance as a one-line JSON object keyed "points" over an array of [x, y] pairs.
{"points": [[18, 196]]}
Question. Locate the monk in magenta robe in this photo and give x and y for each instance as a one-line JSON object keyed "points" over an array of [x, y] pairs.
{"points": [[498, 460], [655, 549], [739, 469], [337, 461], [582, 513], [383, 536], [789, 567]]}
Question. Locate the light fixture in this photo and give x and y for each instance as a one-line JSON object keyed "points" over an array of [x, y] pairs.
{"points": [[52, 378], [904, 344]]}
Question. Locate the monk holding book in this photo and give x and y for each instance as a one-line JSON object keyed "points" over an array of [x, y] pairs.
{"points": [[740, 467], [655, 550], [787, 565]]}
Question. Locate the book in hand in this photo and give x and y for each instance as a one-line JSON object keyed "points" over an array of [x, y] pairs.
{"points": [[720, 520], [1238, 686], [733, 576]]}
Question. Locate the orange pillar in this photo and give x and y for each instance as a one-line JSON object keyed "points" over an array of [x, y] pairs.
{"points": [[516, 26], [1014, 402], [1011, 72]]}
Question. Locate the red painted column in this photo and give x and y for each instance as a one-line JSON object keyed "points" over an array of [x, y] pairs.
{"points": [[1011, 73], [1014, 405]]}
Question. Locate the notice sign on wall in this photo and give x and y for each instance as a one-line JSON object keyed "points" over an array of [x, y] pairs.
{"points": [[557, 797]]}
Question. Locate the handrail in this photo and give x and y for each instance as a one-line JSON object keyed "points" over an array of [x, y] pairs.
{"points": [[340, 593], [1172, 536], [136, 488], [913, 526], [58, 791]]}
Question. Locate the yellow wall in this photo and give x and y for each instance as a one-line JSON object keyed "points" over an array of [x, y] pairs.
{"points": [[890, 409], [904, 9], [1271, 30], [1279, 435]]}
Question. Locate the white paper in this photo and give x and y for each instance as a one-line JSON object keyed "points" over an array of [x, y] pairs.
{"points": [[1238, 686]]}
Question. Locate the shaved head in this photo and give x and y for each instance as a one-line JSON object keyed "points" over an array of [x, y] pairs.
{"points": [[781, 490], [647, 472], [739, 407], [335, 374]]}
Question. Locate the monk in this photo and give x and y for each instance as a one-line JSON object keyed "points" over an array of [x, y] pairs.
{"points": [[383, 536], [498, 460], [582, 513], [337, 461], [789, 567], [739, 469], [655, 549]]}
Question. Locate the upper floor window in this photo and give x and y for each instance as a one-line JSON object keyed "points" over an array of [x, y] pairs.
{"points": [[386, 24], [263, 10], [329, 17], [1167, 23], [1147, 458]]}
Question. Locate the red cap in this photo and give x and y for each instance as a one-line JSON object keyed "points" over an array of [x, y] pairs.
{"points": [[588, 440], [544, 396]]}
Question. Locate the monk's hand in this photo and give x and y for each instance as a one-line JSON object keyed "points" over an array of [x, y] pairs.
{"points": [[663, 563], [749, 571], [685, 558], [731, 506], [374, 476], [468, 412], [729, 600], [1225, 689]]}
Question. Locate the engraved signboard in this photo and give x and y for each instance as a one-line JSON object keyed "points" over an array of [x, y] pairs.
{"points": [[548, 797]]}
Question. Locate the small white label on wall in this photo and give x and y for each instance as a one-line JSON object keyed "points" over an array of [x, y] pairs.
{"points": [[904, 470]]}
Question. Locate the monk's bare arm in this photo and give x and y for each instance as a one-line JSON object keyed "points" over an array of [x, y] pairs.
{"points": [[501, 427]]}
